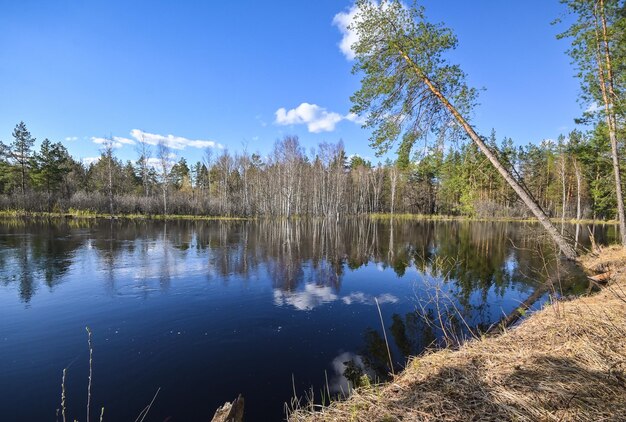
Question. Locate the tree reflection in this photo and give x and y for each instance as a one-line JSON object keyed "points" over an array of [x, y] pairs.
{"points": [[478, 258], [40, 252]]}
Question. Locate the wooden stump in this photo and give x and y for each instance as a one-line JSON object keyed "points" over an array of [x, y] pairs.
{"points": [[230, 412]]}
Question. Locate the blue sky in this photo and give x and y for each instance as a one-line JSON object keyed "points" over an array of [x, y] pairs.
{"points": [[236, 73]]}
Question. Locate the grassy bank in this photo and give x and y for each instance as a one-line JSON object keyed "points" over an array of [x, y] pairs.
{"points": [[92, 215], [376, 216], [566, 362], [387, 216]]}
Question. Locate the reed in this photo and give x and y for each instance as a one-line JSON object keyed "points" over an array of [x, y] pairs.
{"points": [[90, 371], [382, 323]]}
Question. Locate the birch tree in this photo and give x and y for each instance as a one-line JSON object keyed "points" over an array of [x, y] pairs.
{"points": [[143, 149], [108, 159], [164, 156]]}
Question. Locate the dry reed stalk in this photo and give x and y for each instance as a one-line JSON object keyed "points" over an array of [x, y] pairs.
{"points": [[63, 394], [382, 323], [146, 409], [90, 371]]}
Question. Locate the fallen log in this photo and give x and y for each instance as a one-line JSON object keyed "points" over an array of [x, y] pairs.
{"points": [[601, 278], [518, 312]]}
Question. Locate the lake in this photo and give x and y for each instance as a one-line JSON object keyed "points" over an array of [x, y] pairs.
{"points": [[205, 310]]}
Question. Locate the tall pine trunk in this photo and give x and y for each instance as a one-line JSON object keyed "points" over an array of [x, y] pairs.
{"points": [[608, 94]]}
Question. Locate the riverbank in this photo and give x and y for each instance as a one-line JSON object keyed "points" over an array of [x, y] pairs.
{"points": [[387, 216], [80, 214], [77, 214], [566, 362]]}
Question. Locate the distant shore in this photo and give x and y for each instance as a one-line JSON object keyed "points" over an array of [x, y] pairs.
{"points": [[94, 215], [79, 214]]}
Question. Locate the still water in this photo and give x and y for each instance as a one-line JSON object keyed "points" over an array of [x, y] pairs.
{"points": [[207, 310]]}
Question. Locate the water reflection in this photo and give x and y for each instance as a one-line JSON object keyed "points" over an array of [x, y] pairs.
{"points": [[305, 260], [30, 260], [185, 302]]}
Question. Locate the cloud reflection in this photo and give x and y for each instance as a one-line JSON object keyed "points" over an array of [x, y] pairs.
{"points": [[338, 383], [365, 299], [313, 296]]}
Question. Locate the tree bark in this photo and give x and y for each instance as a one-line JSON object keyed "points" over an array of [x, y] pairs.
{"points": [[606, 84], [578, 186], [230, 412]]}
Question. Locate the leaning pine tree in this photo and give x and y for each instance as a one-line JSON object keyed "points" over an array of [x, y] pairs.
{"points": [[409, 90]]}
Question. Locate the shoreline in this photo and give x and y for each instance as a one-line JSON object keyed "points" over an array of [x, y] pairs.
{"points": [[564, 362], [88, 215]]}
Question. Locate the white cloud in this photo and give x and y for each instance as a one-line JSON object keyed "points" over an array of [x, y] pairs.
{"points": [[318, 119], [124, 140], [342, 21], [116, 141], [172, 141], [156, 162], [366, 158], [104, 141], [355, 118], [593, 107], [71, 138], [90, 160]]}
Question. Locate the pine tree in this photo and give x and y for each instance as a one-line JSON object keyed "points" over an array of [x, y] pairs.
{"points": [[50, 166], [20, 151], [597, 49]]}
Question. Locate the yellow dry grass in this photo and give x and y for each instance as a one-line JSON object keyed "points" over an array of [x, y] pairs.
{"points": [[566, 362]]}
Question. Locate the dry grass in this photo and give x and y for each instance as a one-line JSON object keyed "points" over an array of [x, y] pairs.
{"points": [[566, 362]]}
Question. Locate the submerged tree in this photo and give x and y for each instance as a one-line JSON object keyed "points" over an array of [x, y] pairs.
{"points": [[409, 90]]}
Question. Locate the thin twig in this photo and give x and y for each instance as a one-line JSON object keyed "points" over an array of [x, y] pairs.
{"points": [[145, 411], [385, 335]]}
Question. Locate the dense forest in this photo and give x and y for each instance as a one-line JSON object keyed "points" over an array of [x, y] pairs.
{"points": [[409, 93], [570, 177]]}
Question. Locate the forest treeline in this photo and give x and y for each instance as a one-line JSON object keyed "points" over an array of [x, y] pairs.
{"points": [[409, 92], [569, 177]]}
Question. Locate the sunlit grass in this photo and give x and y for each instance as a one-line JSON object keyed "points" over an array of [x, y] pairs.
{"points": [[437, 217]]}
